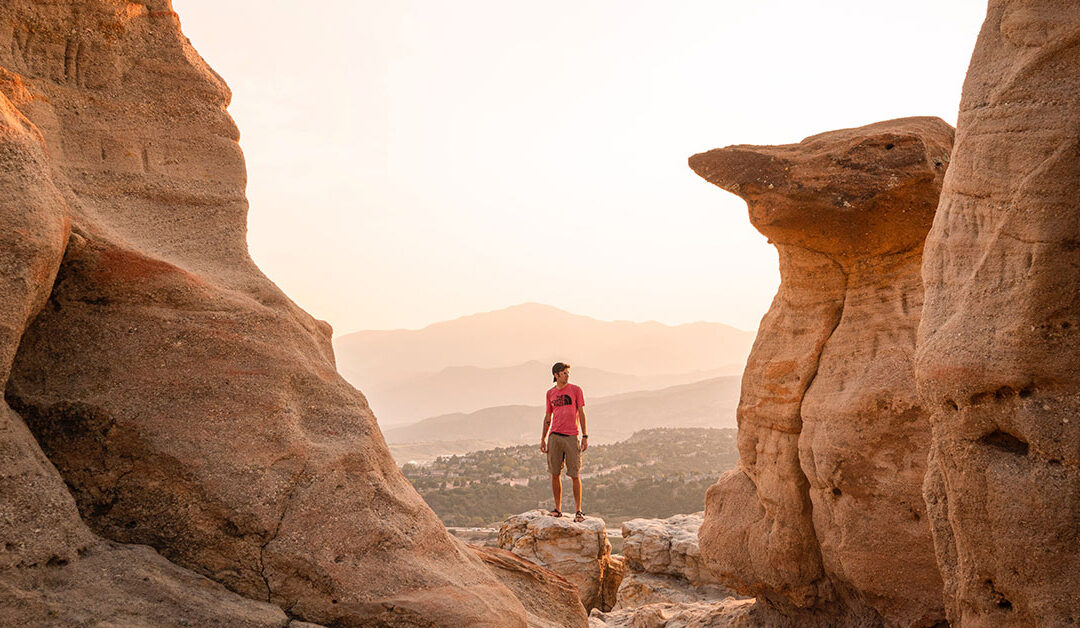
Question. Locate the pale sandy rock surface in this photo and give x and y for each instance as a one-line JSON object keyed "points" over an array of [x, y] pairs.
{"points": [[186, 401], [665, 563], [999, 344], [824, 513], [729, 613], [580, 552], [640, 589], [666, 546], [550, 600]]}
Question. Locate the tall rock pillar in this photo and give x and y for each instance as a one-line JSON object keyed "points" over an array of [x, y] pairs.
{"points": [[823, 517], [999, 343]]}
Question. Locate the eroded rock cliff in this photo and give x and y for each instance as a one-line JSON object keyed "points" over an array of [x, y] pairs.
{"points": [[53, 570], [824, 517], [999, 343], [187, 402]]}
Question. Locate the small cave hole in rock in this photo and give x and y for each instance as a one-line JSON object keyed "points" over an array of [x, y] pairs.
{"points": [[999, 600], [56, 561], [890, 146], [1005, 442], [1003, 393], [951, 405], [837, 492], [130, 524], [1026, 391]]}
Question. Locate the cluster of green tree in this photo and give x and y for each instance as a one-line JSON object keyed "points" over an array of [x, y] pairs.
{"points": [[654, 473]]}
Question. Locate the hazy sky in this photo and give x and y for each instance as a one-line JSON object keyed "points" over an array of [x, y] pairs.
{"points": [[411, 161]]}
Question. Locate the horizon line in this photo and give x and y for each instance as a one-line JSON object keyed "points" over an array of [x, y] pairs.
{"points": [[337, 335]]}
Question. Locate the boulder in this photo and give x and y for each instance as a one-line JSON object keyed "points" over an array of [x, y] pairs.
{"points": [[550, 600], [824, 513], [729, 613], [666, 547], [580, 552], [186, 401], [998, 361], [665, 563]]}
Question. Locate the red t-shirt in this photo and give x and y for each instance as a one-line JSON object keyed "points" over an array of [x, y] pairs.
{"points": [[563, 405]]}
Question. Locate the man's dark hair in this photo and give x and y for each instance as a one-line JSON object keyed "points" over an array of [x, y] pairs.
{"points": [[557, 368]]}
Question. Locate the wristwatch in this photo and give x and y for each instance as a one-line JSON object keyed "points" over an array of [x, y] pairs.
{"points": [[584, 435]]}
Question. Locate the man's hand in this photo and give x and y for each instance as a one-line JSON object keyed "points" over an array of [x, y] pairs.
{"points": [[583, 444], [543, 446]]}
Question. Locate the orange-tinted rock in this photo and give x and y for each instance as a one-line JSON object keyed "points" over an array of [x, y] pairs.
{"points": [[999, 344], [188, 403], [550, 599], [580, 552], [53, 571], [824, 512]]}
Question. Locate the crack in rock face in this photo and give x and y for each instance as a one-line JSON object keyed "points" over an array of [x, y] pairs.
{"points": [[140, 301], [998, 361], [823, 517]]}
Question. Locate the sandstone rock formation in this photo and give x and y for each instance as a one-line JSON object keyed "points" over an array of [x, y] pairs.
{"points": [[187, 402], [666, 547], [824, 515], [729, 613], [550, 600], [641, 589], [580, 552], [53, 570], [999, 344], [615, 570], [665, 563]]}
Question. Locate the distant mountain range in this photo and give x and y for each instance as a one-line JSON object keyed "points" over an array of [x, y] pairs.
{"points": [[471, 388], [503, 358], [708, 403]]}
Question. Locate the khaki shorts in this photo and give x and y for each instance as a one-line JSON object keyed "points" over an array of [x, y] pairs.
{"points": [[562, 447]]}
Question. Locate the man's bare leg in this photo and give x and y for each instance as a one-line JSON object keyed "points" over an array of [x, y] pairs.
{"points": [[556, 491], [577, 493]]}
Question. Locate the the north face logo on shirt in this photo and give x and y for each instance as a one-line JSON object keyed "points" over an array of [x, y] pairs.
{"points": [[562, 400]]}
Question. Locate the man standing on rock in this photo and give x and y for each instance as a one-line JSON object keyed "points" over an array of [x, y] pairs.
{"points": [[566, 404]]}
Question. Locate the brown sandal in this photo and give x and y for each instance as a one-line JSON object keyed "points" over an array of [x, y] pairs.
{"points": [[579, 517], [555, 513]]}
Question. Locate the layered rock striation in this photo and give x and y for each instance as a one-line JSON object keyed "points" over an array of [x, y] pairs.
{"points": [[186, 401], [999, 344], [580, 552], [824, 517], [550, 600]]}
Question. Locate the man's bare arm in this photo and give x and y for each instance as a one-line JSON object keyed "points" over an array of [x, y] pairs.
{"points": [[543, 435], [584, 430]]}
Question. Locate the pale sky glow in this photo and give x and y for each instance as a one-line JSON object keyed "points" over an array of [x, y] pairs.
{"points": [[411, 161]]}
